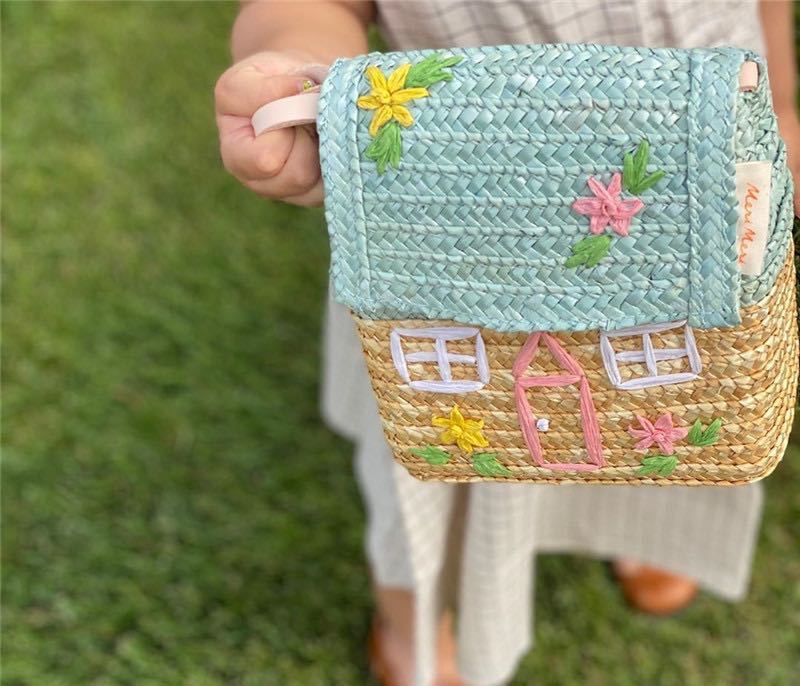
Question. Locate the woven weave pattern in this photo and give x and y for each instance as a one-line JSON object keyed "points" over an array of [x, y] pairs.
{"points": [[475, 225], [757, 139], [748, 381]]}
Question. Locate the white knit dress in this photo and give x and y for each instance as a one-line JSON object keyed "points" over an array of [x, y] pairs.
{"points": [[474, 544]]}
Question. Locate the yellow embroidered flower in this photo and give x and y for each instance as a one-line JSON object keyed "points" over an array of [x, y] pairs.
{"points": [[387, 98], [465, 433]]}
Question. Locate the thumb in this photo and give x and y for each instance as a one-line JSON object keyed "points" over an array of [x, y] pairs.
{"points": [[242, 89]]}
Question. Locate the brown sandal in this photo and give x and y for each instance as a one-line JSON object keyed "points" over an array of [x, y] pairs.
{"points": [[655, 591]]}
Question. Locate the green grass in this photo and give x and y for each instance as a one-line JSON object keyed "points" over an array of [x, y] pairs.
{"points": [[174, 512]]}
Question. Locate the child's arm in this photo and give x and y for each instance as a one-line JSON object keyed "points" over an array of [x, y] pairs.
{"points": [[777, 21], [271, 41]]}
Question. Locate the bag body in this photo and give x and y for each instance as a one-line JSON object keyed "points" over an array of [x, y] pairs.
{"points": [[567, 263]]}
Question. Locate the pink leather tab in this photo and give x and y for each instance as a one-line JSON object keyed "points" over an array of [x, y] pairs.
{"points": [[748, 77], [295, 110]]}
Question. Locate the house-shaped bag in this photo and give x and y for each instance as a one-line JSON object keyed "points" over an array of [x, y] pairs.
{"points": [[567, 263]]}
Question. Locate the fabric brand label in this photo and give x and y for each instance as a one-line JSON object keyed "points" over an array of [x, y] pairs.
{"points": [[752, 192]]}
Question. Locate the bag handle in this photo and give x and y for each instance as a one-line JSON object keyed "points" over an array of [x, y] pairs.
{"points": [[299, 110], [296, 110]]}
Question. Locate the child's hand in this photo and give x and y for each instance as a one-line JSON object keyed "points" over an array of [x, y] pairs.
{"points": [[282, 164]]}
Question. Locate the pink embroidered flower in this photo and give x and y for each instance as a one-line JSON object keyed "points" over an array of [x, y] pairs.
{"points": [[662, 432], [607, 207]]}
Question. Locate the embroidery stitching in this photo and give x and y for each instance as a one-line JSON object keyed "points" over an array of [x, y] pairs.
{"points": [[442, 357], [634, 170], [388, 99], [589, 251], [662, 432], [650, 356], [608, 208], [487, 464], [704, 438], [663, 465], [466, 433], [432, 455], [574, 375]]}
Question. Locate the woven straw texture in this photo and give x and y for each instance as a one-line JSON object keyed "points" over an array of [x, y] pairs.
{"points": [[748, 381], [476, 225]]}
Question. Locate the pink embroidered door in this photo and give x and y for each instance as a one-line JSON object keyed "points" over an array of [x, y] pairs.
{"points": [[570, 374]]}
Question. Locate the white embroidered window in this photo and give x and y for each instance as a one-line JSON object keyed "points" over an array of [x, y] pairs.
{"points": [[438, 354], [650, 356]]}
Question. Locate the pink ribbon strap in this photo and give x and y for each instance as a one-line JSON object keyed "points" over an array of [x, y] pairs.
{"points": [[292, 111], [295, 110]]}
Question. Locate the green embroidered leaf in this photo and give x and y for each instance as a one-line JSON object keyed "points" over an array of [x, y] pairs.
{"points": [[451, 61], [589, 251], [486, 464], [431, 70], [662, 465], [386, 147], [641, 155], [432, 455], [627, 169], [696, 432], [651, 180], [704, 438], [635, 178]]}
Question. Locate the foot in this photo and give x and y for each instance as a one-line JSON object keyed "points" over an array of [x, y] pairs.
{"points": [[391, 656], [652, 590], [446, 664]]}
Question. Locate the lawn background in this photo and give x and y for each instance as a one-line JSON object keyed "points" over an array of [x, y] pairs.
{"points": [[173, 511]]}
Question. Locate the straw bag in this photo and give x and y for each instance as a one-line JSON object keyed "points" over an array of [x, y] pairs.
{"points": [[567, 263]]}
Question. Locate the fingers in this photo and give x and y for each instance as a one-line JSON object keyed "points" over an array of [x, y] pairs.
{"points": [[312, 198], [299, 179], [249, 158], [277, 164], [281, 164], [239, 92], [243, 88]]}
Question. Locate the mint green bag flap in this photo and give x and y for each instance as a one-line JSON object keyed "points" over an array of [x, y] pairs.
{"points": [[464, 202]]}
